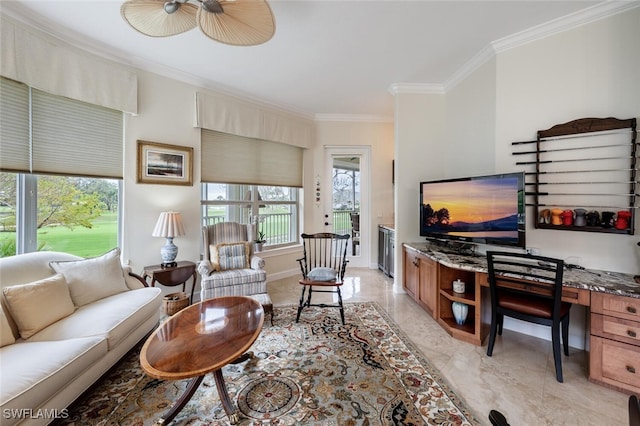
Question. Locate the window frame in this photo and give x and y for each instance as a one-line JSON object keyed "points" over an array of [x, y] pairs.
{"points": [[255, 204], [27, 212]]}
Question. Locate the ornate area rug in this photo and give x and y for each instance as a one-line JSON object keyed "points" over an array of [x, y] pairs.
{"points": [[317, 372]]}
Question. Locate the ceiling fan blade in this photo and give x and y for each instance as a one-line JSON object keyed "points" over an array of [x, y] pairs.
{"points": [[242, 22], [150, 18]]}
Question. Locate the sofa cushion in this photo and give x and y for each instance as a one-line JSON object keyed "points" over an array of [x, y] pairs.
{"points": [[29, 267], [37, 305], [93, 279], [231, 255], [112, 317], [33, 371], [6, 333], [234, 277]]}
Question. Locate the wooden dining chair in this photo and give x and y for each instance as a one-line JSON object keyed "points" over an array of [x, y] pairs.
{"points": [[323, 266], [529, 288]]}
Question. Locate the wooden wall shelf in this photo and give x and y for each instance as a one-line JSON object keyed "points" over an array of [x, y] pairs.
{"points": [[589, 163]]}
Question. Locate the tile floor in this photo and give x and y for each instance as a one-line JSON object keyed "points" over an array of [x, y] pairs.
{"points": [[519, 379]]}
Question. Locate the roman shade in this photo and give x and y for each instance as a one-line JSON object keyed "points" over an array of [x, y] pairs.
{"points": [[46, 63], [49, 134], [230, 158], [234, 116]]}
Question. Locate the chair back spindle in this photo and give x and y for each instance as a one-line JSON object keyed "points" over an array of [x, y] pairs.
{"points": [[327, 252]]}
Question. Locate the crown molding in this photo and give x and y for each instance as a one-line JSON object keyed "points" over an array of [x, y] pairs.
{"points": [[574, 20], [479, 59], [354, 118], [417, 88], [591, 14], [95, 48]]}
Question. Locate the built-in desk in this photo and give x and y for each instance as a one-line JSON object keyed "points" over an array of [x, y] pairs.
{"points": [[613, 299]]}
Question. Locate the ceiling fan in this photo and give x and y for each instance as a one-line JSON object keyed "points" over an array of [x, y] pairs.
{"points": [[234, 22]]}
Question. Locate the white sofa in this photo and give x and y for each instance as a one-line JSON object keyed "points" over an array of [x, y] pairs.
{"points": [[64, 322]]}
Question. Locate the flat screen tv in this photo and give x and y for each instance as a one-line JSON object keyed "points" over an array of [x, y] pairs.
{"points": [[480, 209]]}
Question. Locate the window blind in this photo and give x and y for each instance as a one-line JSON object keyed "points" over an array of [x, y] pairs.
{"points": [[67, 137], [14, 127], [230, 158]]}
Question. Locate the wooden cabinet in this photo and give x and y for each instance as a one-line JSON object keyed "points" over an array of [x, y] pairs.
{"points": [[420, 279], [475, 328], [411, 265], [427, 284], [614, 359]]}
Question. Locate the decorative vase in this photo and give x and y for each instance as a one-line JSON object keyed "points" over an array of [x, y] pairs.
{"points": [[623, 219], [581, 219], [555, 216], [567, 217], [607, 219], [545, 216], [460, 311], [593, 218]]}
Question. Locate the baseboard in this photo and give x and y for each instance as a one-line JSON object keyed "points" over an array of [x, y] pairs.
{"points": [[283, 274]]}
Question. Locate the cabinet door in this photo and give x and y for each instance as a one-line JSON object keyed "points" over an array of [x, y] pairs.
{"points": [[411, 272], [428, 284]]}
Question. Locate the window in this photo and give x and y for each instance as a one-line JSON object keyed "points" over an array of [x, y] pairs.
{"points": [[59, 173], [274, 209], [59, 213]]}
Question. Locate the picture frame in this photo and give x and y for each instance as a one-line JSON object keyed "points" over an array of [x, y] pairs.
{"points": [[165, 164]]}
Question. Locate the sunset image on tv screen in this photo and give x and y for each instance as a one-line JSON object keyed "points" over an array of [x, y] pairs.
{"points": [[468, 206]]}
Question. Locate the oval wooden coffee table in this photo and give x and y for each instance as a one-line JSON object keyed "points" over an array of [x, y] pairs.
{"points": [[201, 339]]}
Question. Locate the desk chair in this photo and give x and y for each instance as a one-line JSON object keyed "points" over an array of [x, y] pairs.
{"points": [[528, 288], [323, 266], [634, 411], [497, 418]]}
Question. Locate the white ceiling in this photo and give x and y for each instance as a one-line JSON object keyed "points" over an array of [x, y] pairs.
{"points": [[327, 57]]}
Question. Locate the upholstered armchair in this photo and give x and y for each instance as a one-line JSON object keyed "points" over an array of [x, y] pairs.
{"points": [[230, 268]]}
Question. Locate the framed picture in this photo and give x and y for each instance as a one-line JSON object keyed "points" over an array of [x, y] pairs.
{"points": [[165, 164]]}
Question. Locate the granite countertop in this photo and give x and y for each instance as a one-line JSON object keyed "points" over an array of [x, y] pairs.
{"points": [[594, 280]]}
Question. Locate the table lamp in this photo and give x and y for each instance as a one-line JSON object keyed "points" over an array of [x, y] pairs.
{"points": [[169, 225]]}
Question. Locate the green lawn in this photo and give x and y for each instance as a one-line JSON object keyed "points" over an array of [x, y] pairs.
{"points": [[80, 241]]}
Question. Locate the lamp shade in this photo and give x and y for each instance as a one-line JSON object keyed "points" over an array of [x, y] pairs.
{"points": [[169, 225]]}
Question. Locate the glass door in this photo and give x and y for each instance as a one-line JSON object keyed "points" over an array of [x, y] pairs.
{"points": [[349, 192]]}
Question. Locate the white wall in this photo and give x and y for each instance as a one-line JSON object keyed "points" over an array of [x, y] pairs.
{"points": [[378, 136], [420, 134], [590, 71], [471, 124], [166, 115]]}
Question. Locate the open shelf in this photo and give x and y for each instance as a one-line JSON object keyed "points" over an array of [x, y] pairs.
{"points": [[467, 297], [587, 164]]}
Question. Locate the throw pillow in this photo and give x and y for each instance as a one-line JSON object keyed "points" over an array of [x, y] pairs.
{"points": [[232, 255], [213, 258], [39, 304], [93, 279], [322, 274], [6, 334]]}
